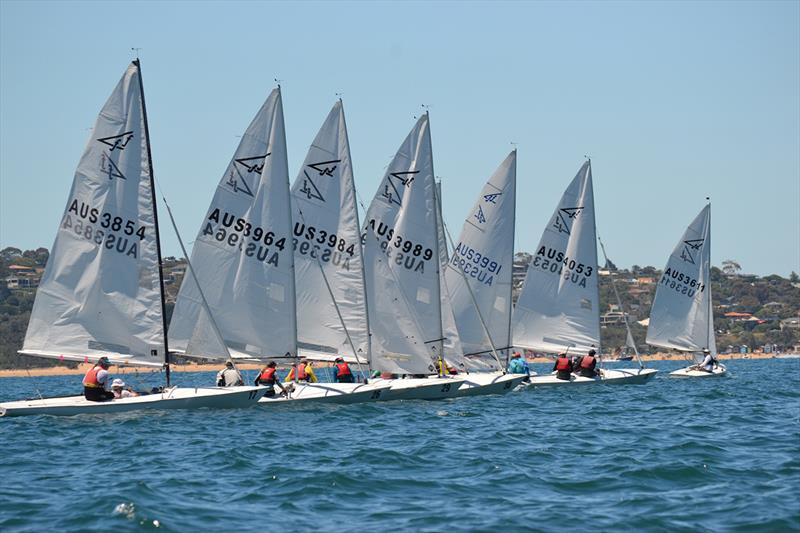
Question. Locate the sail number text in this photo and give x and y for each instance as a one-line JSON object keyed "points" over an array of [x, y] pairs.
{"points": [[104, 229], [556, 262], [475, 264], [237, 232], [682, 283], [404, 251]]}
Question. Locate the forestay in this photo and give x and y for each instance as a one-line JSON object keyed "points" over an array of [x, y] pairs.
{"points": [[401, 259], [558, 307], [681, 316], [483, 257], [327, 239], [100, 294], [243, 252]]}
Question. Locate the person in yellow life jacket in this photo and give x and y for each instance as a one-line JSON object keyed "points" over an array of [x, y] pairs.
{"points": [[304, 373], [587, 364], [341, 372], [268, 378], [95, 380], [563, 367]]}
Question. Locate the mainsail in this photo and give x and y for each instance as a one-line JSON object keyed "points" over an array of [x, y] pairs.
{"points": [[681, 316], [100, 294], [401, 260], [327, 241], [483, 258], [243, 252], [558, 307]]}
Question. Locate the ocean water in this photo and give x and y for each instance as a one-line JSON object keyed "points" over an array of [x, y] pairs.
{"points": [[671, 455]]}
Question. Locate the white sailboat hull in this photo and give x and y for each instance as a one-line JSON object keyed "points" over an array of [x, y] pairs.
{"points": [[692, 372], [340, 393], [617, 377], [481, 383], [171, 398], [434, 388]]}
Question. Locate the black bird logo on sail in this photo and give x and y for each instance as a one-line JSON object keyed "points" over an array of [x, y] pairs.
{"points": [[395, 183], [690, 247], [117, 142], [248, 172], [491, 198], [564, 218], [323, 168]]}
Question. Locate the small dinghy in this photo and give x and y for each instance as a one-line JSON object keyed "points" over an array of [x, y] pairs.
{"points": [[681, 317], [616, 376], [480, 383], [339, 393]]}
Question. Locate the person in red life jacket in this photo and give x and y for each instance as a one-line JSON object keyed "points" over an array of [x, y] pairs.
{"points": [[563, 367], [587, 364], [341, 372], [303, 371], [268, 378], [95, 380]]}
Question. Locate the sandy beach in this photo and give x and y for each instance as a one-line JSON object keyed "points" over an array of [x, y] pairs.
{"points": [[62, 370]]}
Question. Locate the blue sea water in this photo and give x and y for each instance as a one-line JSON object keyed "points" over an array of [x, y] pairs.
{"points": [[671, 455]]}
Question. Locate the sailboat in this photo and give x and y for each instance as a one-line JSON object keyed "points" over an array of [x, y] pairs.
{"points": [[402, 273], [477, 284], [558, 310], [681, 317], [102, 292]]}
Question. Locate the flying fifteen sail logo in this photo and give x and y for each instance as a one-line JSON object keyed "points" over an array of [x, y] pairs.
{"points": [[565, 217], [491, 198], [244, 167], [690, 247], [323, 168], [395, 183], [115, 142], [481, 218]]}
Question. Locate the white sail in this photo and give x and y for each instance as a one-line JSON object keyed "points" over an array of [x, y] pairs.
{"points": [[327, 239], [453, 350], [401, 259], [681, 316], [243, 252], [100, 294], [483, 257], [558, 307]]}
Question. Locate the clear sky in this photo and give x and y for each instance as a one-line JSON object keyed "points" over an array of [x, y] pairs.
{"points": [[674, 101]]}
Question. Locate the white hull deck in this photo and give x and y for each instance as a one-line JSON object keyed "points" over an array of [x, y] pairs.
{"points": [[618, 376], [480, 383], [692, 372], [340, 393], [434, 388], [170, 398]]}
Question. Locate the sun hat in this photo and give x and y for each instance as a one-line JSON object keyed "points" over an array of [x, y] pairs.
{"points": [[117, 383]]}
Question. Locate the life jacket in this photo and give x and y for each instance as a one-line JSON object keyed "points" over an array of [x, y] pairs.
{"points": [[90, 379], [300, 372], [562, 363], [342, 370], [587, 361], [267, 376]]}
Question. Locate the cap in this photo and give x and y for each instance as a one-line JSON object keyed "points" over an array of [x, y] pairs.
{"points": [[592, 352], [103, 361], [229, 363], [339, 360], [117, 383]]}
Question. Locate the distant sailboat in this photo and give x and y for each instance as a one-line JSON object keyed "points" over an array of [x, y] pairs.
{"points": [[559, 307], [102, 292], [681, 317]]}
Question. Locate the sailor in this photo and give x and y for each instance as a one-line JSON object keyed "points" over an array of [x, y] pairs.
{"points": [[518, 365], [587, 365], [303, 371], [342, 372], [229, 376], [95, 380], [709, 362], [563, 367], [268, 379], [120, 391]]}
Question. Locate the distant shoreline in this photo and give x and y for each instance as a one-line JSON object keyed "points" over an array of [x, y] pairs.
{"points": [[83, 367]]}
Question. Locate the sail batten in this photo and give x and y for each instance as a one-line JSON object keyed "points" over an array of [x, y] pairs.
{"points": [[100, 294], [558, 307]]}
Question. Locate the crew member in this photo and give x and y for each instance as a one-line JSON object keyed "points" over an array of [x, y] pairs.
{"points": [[303, 371], [95, 380], [229, 376], [518, 365], [587, 365], [268, 379], [120, 390], [709, 362], [563, 367], [342, 372]]}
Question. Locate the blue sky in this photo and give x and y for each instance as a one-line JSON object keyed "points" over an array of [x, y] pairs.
{"points": [[674, 101]]}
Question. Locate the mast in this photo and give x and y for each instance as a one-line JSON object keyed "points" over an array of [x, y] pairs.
{"points": [[510, 341], [155, 221], [440, 339], [594, 227], [710, 329]]}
